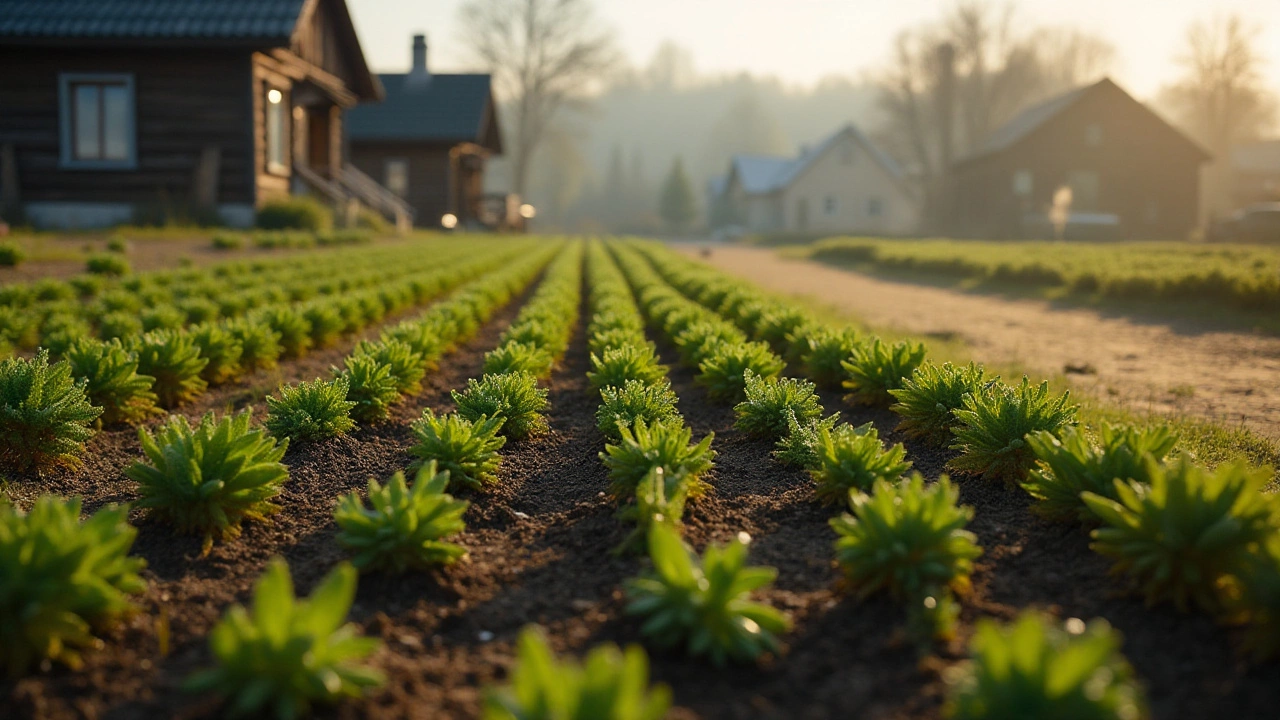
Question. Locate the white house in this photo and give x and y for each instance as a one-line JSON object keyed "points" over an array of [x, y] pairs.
{"points": [[845, 184]]}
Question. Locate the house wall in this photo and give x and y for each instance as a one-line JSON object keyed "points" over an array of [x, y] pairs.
{"points": [[853, 186], [1148, 174], [430, 175], [186, 100]]}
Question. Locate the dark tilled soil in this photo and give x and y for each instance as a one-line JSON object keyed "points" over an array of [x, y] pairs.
{"points": [[540, 552]]}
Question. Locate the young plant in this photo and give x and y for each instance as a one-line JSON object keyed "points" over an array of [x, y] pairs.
{"points": [[260, 345], [775, 325], [518, 357], [701, 339], [1034, 669], [666, 444], [827, 350], [310, 411], [609, 685], [325, 323], [208, 479], [515, 398], [108, 264], [61, 578], [629, 362], [407, 366], [173, 359], [723, 372], [222, 351], [1184, 537], [994, 423], [875, 369], [370, 386], [112, 382], [287, 654], [402, 528], [909, 540], [927, 400], [703, 603], [1259, 600], [799, 447], [293, 328], [614, 337], [658, 500], [467, 450], [45, 417], [770, 403], [633, 402], [853, 458], [1071, 464]]}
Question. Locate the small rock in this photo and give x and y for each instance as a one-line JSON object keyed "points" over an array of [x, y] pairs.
{"points": [[521, 515], [485, 636], [409, 641], [582, 605]]}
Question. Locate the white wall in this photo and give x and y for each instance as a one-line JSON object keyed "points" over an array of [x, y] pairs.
{"points": [[849, 175]]}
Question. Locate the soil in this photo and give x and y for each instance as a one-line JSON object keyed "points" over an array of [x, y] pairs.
{"points": [[1175, 367], [540, 544]]}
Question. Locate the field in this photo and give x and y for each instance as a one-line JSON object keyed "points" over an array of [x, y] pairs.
{"points": [[1243, 278], [593, 403]]}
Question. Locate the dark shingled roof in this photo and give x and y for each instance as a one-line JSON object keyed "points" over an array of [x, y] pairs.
{"points": [[239, 20], [443, 108]]}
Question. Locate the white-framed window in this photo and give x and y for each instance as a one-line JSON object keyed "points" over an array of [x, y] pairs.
{"points": [[97, 121], [277, 131], [1093, 135], [395, 176], [875, 207], [1023, 183], [829, 205]]}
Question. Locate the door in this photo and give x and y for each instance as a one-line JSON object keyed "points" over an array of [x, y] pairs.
{"points": [[318, 140]]}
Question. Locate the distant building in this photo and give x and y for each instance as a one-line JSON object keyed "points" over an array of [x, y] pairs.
{"points": [[429, 142], [1255, 173], [845, 184], [112, 109], [1131, 174]]}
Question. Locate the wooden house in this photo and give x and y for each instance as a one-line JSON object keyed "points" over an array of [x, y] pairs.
{"points": [[208, 108], [1131, 174], [429, 140]]}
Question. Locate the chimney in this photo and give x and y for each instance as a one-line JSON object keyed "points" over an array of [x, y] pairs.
{"points": [[419, 54]]}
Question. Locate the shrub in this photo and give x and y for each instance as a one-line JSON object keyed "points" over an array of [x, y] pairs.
{"points": [[799, 447], [518, 357], [609, 685], [723, 373], [370, 386], [629, 362], [173, 359], [407, 367], [910, 540], [827, 350], [853, 458], [875, 369], [310, 411], [927, 400], [229, 241], [402, 528], [110, 265], [1184, 536], [993, 426], [659, 500], [1033, 669], [466, 449], [515, 398], [112, 382], [770, 402], [295, 213], [701, 339], [1070, 464], [636, 400], [11, 254], [703, 603], [62, 578], [666, 444], [206, 480], [222, 351], [287, 653], [45, 417], [293, 328]]}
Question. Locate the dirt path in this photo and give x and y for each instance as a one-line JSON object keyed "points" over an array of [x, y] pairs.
{"points": [[1231, 377]]}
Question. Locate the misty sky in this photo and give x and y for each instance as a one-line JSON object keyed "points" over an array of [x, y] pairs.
{"points": [[804, 40]]}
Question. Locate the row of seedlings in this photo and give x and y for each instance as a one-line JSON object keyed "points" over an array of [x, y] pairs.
{"points": [[1150, 508], [699, 603], [52, 409]]}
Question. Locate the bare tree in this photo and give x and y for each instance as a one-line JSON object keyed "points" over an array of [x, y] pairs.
{"points": [[545, 55]]}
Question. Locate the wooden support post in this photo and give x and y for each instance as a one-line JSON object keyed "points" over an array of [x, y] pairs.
{"points": [[10, 196], [205, 183]]}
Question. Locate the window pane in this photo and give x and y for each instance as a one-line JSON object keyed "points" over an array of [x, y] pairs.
{"points": [[275, 131], [115, 119], [87, 122], [397, 176]]}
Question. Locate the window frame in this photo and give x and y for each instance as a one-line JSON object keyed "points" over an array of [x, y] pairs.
{"points": [[286, 131], [386, 175], [67, 159]]}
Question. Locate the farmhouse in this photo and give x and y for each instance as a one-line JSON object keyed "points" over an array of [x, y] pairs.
{"points": [[1130, 173], [844, 184], [429, 141], [207, 108]]}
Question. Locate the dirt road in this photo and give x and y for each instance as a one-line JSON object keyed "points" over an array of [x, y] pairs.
{"points": [[1231, 377]]}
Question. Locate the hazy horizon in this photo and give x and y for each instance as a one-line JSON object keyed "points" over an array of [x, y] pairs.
{"points": [[815, 39]]}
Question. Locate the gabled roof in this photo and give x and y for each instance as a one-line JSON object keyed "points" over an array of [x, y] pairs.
{"points": [[764, 174], [242, 20], [429, 107]]}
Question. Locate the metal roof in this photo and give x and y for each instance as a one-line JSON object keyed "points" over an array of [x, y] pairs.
{"points": [[763, 174], [422, 106], [242, 20]]}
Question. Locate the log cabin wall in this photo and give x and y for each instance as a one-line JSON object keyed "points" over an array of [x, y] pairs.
{"points": [[431, 181]]}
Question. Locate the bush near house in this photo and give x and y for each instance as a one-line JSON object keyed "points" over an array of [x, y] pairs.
{"points": [[295, 213]]}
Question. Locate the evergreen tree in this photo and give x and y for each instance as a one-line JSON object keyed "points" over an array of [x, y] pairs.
{"points": [[677, 204]]}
